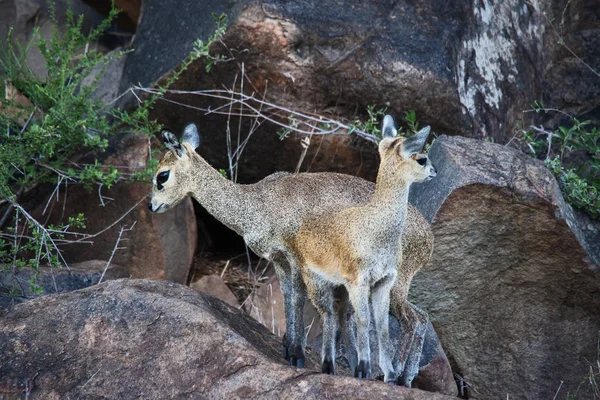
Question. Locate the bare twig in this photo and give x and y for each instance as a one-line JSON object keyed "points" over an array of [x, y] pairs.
{"points": [[251, 107], [91, 377], [239, 132], [11, 207], [463, 385], [305, 143], [309, 327], [47, 234], [558, 390], [86, 236], [549, 136], [59, 180], [119, 238], [550, 109], [225, 268], [228, 131]]}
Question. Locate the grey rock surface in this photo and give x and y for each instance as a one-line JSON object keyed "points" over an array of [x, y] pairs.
{"points": [[153, 339], [50, 281], [466, 68], [512, 287], [214, 285]]}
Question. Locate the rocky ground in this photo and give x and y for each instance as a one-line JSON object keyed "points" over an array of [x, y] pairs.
{"points": [[152, 339]]}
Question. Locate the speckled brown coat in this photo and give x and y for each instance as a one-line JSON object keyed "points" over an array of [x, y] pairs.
{"points": [[361, 249], [269, 211]]}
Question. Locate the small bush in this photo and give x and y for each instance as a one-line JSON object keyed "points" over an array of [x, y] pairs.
{"points": [[572, 152], [46, 123]]}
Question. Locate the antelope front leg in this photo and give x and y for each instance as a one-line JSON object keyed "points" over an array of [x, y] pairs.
{"points": [[286, 290], [380, 298], [359, 297]]}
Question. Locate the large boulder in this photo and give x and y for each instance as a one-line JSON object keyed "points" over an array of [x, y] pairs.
{"points": [[513, 285], [53, 280], [140, 338], [465, 68]]}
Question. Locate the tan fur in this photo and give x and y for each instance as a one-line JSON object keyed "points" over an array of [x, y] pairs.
{"points": [[271, 211], [361, 249]]}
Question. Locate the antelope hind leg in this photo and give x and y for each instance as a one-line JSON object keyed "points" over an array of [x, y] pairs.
{"points": [[321, 294], [347, 327], [292, 348], [411, 367], [297, 344]]}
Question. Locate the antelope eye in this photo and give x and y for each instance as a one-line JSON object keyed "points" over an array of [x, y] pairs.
{"points": [[422, 161], [161, 179]]}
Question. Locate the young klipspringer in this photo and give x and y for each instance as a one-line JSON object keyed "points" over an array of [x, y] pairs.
{"points": [[266, 212], [360, 248]]}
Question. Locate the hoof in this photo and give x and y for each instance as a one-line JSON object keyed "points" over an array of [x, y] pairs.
{"points": [[286, 353], [328, 367], [391, 379], [363, 370], [404, 381], [295, 356], [286, 347]]}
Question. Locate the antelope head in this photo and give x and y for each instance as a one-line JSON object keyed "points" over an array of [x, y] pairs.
{"points": [[403, 157], [172, 181]]}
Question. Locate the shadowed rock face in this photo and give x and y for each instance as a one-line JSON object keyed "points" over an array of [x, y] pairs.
{"points": [[513, 285], [78, 276], [466, 68], [152, 339]]}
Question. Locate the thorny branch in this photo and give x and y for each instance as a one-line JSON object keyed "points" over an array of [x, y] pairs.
{"points": [[253, 107], [119, 239]]}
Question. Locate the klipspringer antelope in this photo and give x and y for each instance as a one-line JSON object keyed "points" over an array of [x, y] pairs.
{"points": [[360, 248]]}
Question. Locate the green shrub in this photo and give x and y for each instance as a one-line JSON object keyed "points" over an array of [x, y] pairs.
{"points": [[59, 120], [572, 152]]}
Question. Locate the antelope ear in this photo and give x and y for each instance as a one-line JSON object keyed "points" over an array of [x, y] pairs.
{"points": [[415, 143], [191, 136], [171, 143], [389, 128]]}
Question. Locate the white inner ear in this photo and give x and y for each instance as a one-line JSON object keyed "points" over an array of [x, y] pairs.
{"points": [[191, 136], [389, 129]]}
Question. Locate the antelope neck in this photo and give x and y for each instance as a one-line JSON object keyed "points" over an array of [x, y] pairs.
{"points": [[222, 198], [391, 201]]}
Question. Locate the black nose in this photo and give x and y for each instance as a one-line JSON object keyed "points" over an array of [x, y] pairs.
{"points": [[150, 205]]}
